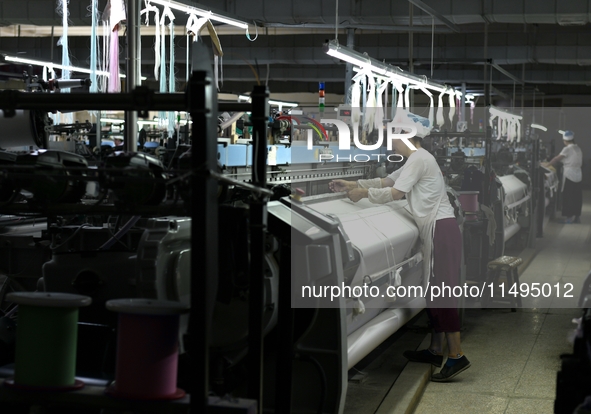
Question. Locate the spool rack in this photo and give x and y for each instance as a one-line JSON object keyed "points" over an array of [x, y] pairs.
{"points": [[200, 100]]}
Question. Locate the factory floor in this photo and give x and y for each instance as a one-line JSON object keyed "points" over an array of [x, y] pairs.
{"points": [[515, 355]]}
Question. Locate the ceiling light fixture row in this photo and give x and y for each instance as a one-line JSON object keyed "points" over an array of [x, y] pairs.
{"points": [[51, 66], [333, 48], [201, 12]]}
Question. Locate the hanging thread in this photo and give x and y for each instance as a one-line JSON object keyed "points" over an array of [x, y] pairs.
{"points": [[193, 26], [452, 106], [370, 106], [63, 42], [166, 13], [147, 9], [46, 339], [116, 14], [104, 58], [171, 80], [147, 349], [94, 86], [93, 46], [440, 118]]}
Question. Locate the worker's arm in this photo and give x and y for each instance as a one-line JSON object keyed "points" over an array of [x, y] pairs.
{"points": [[554, 160], [397, 194], [376, 195], [342, 185], [387, 182]]}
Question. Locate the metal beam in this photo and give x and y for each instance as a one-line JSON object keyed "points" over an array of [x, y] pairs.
{"points": [[495, 91], [436, 14], [507, 73], [381, 28]]}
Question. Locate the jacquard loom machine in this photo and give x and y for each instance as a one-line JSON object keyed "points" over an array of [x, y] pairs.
{"points": [[149, 257], [383, 244]]}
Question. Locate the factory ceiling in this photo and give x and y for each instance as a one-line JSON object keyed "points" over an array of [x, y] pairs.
{"points": [[545, 43]]}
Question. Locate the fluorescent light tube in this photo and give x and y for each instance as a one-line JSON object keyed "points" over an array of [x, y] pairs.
{"points": [[34, 62], [200, 12], [538, 126], [113, 120]]}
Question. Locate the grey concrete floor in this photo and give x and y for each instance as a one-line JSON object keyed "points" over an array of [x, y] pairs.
{"points": [[515, 355]]}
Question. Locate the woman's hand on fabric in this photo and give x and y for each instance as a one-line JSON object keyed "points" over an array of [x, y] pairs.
{"points": [[338, 186]]}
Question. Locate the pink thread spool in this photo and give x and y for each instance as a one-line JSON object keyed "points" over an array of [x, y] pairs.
{"points": [[147, 349], [469, 202]]}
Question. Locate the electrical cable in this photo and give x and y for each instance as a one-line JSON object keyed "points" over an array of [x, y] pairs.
{"points": [[257, 32], [126, 227], [52, 247]]}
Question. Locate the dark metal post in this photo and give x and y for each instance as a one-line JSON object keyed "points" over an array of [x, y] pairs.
{"points": [[538, 202], [133, 78], [285, 320], [202, 102], [258, 224]]}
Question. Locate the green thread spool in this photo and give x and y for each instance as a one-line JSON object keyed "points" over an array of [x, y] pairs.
{"points": [[46, 338]]}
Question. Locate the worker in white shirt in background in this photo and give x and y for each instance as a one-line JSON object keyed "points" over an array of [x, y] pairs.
{"points": [[571, 157]]}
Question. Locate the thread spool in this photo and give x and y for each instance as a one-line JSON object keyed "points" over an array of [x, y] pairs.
{"points": [[321, 94], [147, 349], [46, 339]]}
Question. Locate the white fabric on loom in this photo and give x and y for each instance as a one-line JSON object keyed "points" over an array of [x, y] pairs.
{"points": [[384, 235]]}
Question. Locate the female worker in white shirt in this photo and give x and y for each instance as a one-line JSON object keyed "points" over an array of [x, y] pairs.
{"points": [[571, 157], [421, 180]]}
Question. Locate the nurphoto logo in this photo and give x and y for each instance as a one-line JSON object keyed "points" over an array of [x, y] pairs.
{"points": [[344, 139]]}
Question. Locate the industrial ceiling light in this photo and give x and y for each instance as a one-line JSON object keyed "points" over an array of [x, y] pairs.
{"points": [[54, 65], [34, 62], [112, 121], [334, 49], [201, 12]]}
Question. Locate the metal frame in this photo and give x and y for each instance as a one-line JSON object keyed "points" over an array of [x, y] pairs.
{"points": [[200, 100]]}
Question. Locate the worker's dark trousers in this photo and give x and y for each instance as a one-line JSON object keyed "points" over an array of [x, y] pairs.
{"points": [[572, 198], [447, 256]]}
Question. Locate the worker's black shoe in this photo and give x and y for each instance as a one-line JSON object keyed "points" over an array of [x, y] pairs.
{"points": [[425, 356], [450, 371]]}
